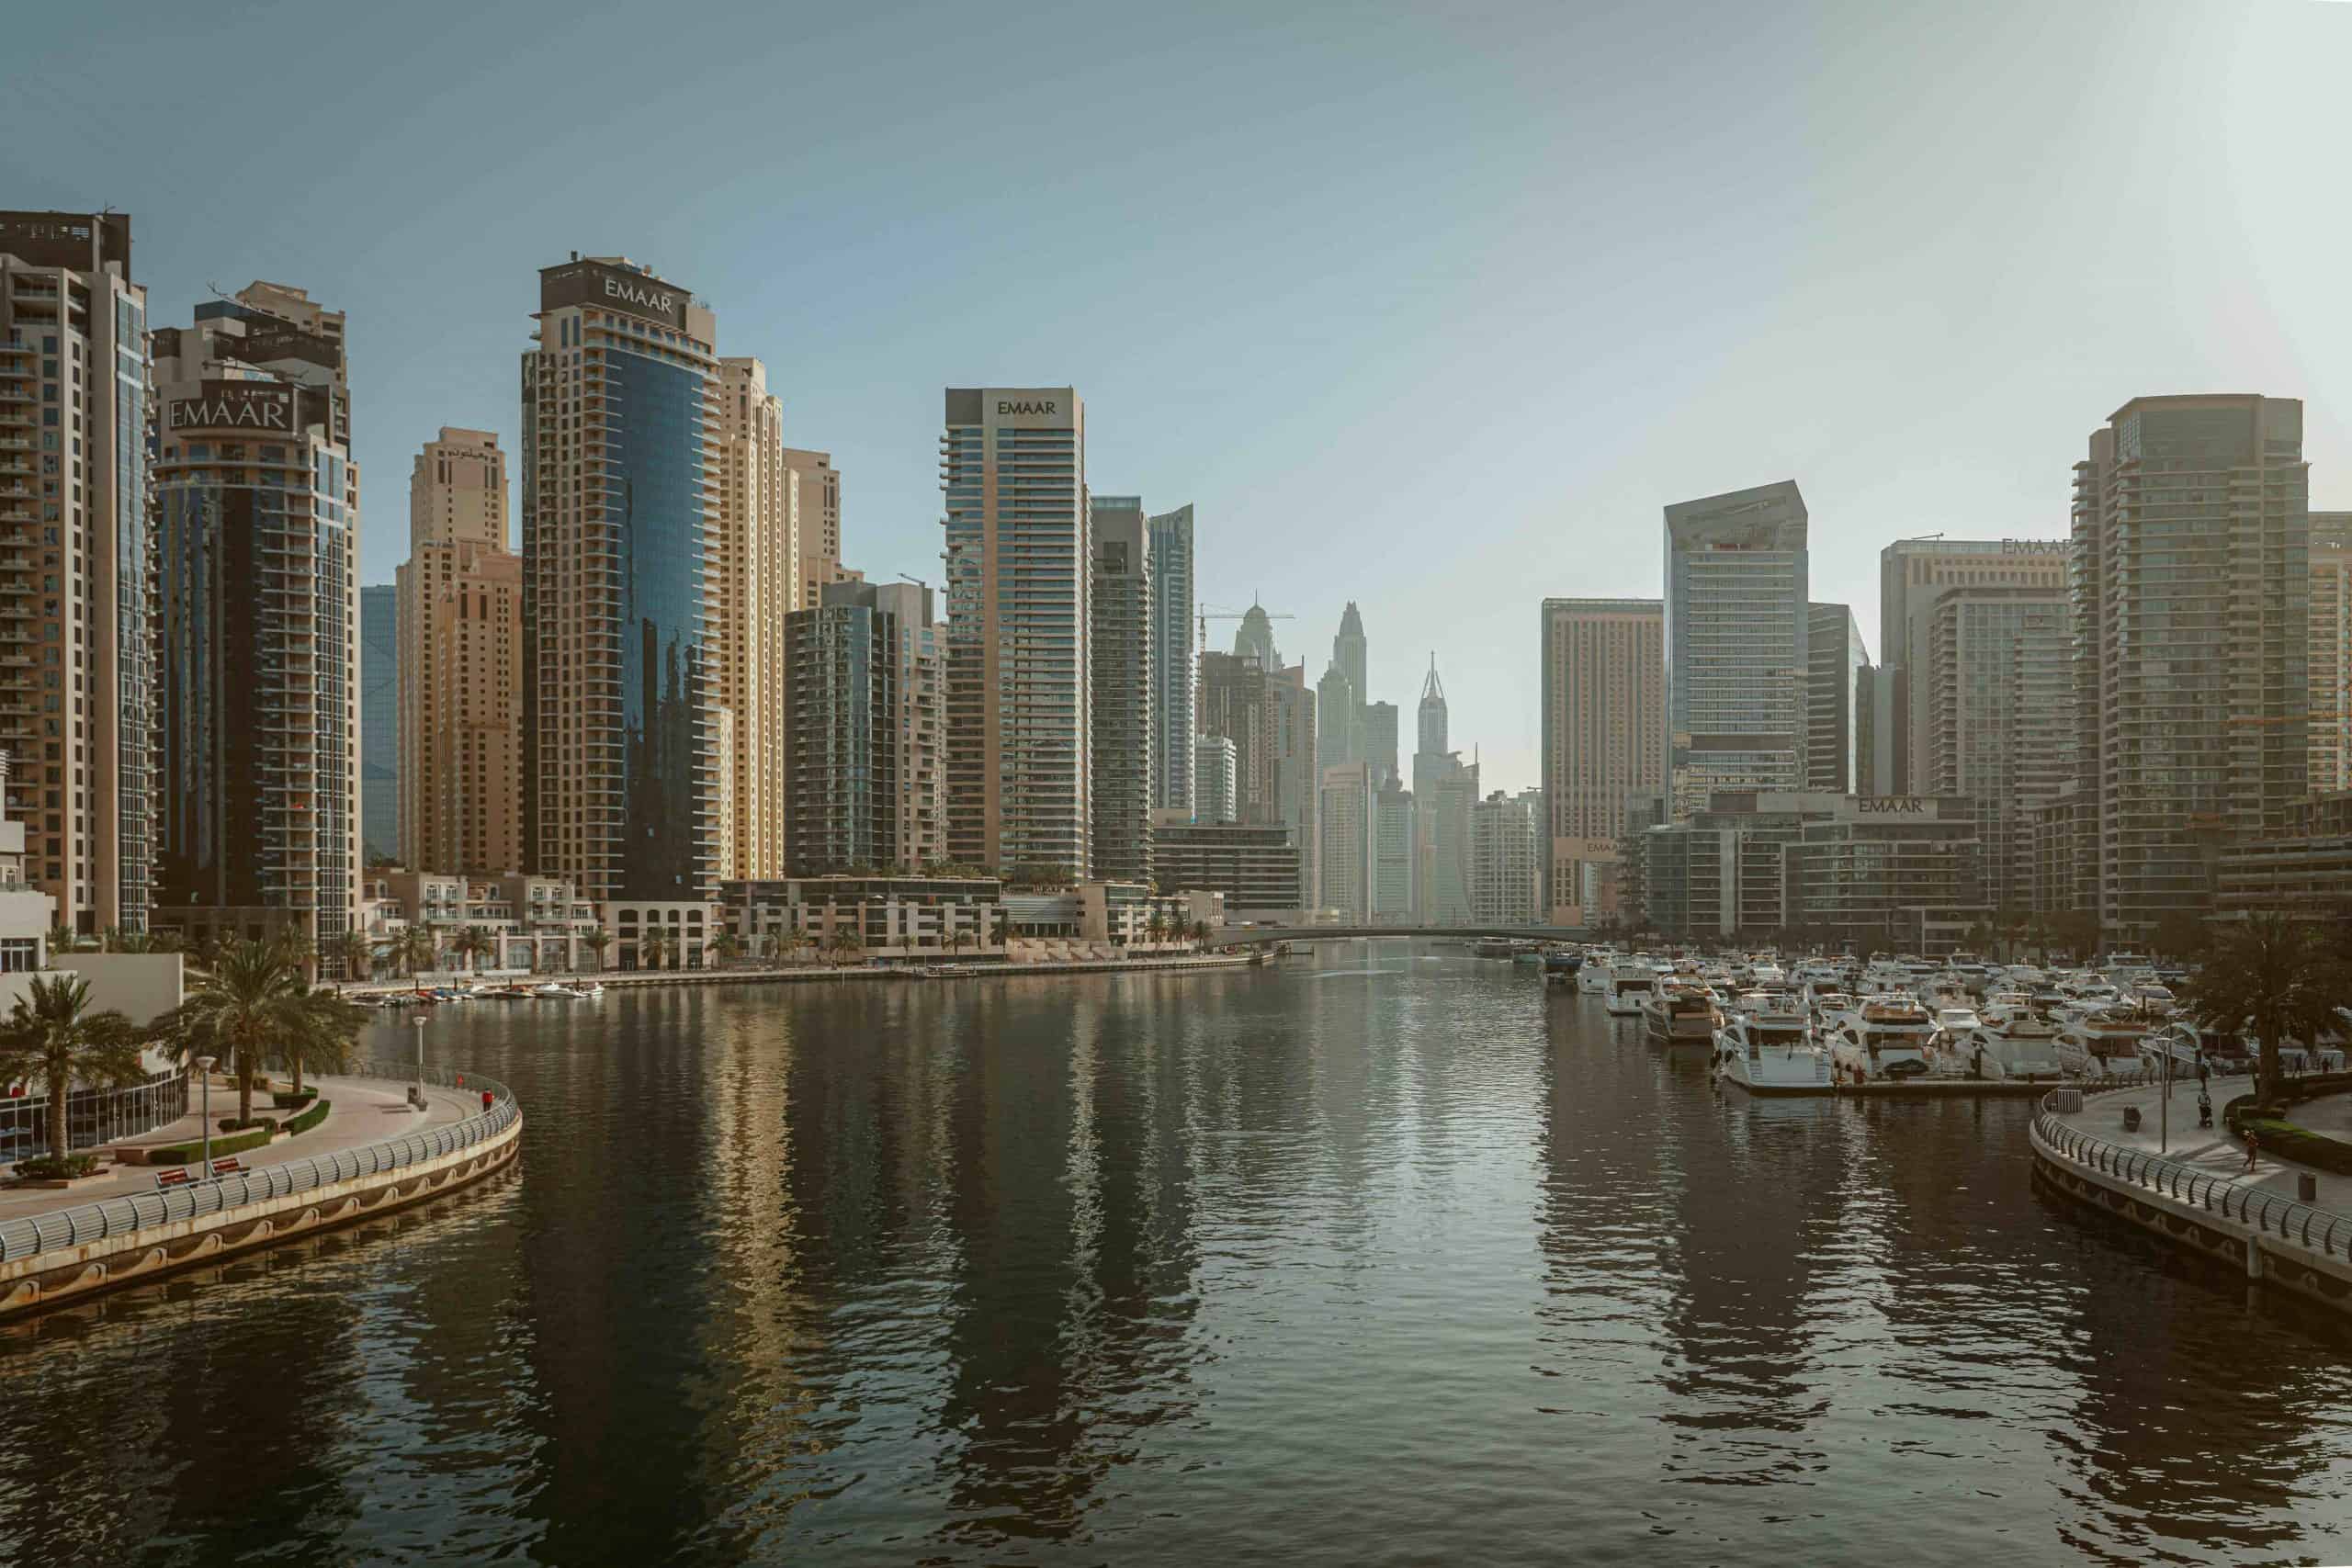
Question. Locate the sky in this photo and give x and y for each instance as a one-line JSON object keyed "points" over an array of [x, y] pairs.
{"points": [[1432, 308]]}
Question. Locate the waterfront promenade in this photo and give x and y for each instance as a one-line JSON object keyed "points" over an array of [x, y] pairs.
{"points": [[361, 1111], [2212, 1150]]}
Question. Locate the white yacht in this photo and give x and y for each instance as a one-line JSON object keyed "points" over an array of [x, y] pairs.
{"points": [[2023, 1048], [1630, 981], [1592, 976], [1766, 1046], [1884, 1037], [1680, 1011], [2096, 1043]]}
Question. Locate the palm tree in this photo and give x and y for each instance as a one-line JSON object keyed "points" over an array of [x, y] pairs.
{"points": [[355, 953], [413, 948], [1200, 934], [51, 1034], [321, 1031], [724, 947], [595, 940], [2273, 975], [241, 1013], [471, 943], [846, 941], [1155, 926], [297, 948], [653, 950]]}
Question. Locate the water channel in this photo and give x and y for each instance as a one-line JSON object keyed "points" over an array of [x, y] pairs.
{"points": [[1385, 1256]]}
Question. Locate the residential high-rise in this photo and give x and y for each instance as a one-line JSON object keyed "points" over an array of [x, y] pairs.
{"points": [[1881, 730], [1737, 644], [1380, 738], [620, 504], [2192, 642], [1835, 657], [1998, 688], [379, 724], [1911, 573], [1214, 769], [1506, 862], [1603, 685], [1442, 810], [2331, 657], [1345, 859], [78, 667], [258, 536], [1395, 853], [1020, 653], [1349, 649], [813, 499], [860, 724], [1121, 690], [1335, 717], [1254, 638], [461, 663], [1430, 720], [1268, 715], [1173, 711], [755, 582]]}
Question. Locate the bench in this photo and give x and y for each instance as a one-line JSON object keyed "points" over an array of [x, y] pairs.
{"points": [[227, 1166], [166, 1180]]}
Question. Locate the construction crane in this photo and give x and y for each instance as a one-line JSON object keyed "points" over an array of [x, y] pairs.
{"points": [[1208, 612]]}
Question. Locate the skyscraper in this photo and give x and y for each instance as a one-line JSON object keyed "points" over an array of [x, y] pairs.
{"points": [[813, 500], [1173, 709], [461, 663], [78, 687], [1396, 853], [1020, 728], [1998, 688], [1344, 822], [258, 526], [1506, 866], [2191, 637], [754, 577], [379, 723], [860, 723], [1430, 720], [1380, 738], [1254, 638], [1213, 784], [1445, 788], [2331, 657], [1835, 659], [1911, 573], [1335, 717], [1349, 649], [1737, 644], [1121, 689], [620, 479], [1603, 684]]}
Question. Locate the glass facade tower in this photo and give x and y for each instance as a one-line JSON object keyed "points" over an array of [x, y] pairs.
{"points": [[1737, 644]]}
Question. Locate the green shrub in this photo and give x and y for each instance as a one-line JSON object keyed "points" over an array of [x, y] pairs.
{"points": [[230, 1124], [48, 1168], [188, 1154], [285, 1102], [308, 1119]]}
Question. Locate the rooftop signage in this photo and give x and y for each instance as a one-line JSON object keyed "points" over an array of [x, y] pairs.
{"points": [[263, 407], [614, 288], [2035, 546]]}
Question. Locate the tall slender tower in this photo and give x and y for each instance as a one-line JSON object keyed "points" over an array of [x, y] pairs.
{"points": [[1432, 714], [2331, 658], [2191, 635], [755, 581], [1604, 682], [1020, 728], [814, 498], [461, 663], [79, 682], [1737, 644], [1121, 690], [1173, 673], [620, 483], [258, 531]]}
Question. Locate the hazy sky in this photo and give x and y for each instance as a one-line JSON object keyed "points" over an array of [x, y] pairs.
{"points": [[1432, 307]]}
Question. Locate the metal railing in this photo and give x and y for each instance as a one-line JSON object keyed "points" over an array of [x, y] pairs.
{"points": [[120, 1217], [2229, 1197], [92, 1116]]}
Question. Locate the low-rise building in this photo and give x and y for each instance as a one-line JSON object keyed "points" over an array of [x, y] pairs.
{"points": [[888, 918], [1255, 867], [529, 924], [2305, 872]]}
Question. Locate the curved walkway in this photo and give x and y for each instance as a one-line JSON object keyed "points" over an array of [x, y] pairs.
{"points": [[364, 1111], [2212, 1149]]}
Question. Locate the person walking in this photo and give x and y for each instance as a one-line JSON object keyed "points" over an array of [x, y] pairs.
{"points": [[2253, 1146], [2204, 1108]]}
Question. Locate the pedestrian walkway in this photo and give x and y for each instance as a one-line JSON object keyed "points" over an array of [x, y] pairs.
{"points": [[2170, 1128], [362, 1110]]}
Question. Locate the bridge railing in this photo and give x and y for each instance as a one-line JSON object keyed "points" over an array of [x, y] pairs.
{"points": [[2326, 1231], [63, 1228]]}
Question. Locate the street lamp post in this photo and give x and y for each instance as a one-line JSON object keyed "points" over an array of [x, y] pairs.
{"points": [[419, 1021], [204, 1072]]}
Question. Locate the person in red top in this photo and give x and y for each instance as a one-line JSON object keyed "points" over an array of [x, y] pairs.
{"points": [[485, 1100]]}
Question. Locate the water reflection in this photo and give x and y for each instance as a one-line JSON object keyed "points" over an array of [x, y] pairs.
{"points": [[1371, 1259]]}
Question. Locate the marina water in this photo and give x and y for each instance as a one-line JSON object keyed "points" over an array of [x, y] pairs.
{"points": [[1384, 1255]]}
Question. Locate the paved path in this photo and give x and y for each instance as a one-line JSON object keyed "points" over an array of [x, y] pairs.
{"points": [[2213, 1149], [365, 1110]]}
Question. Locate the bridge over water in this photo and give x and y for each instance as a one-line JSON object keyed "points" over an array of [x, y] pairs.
{"points": [[1265, 936]]}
